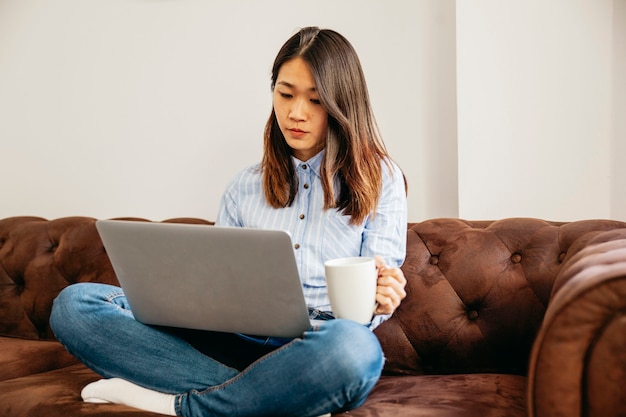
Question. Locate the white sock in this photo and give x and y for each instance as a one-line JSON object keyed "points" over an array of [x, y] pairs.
{"points": [[120, 391]]}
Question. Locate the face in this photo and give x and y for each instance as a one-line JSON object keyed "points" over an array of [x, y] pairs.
{"points": [[301, 117]]}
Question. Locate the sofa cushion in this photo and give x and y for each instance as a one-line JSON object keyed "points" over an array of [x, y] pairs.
{"points": [[25, 357], [478, 395], [475, 395], [57, 394]]}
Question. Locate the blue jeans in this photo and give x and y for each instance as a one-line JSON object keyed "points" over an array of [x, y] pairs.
{"points": [[331, 368]]}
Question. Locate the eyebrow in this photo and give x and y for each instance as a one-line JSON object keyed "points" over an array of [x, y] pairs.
{"points": [[289, 85]]}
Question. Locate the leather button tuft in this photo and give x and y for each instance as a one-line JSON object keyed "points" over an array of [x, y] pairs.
{"points": [[434, 260], [472, 315], [516, 258], [19, 282]]}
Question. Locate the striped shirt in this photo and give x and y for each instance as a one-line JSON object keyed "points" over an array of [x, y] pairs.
{"points": [[320, 235]]}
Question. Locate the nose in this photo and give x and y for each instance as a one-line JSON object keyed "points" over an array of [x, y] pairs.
{"points": [[298, 110]]}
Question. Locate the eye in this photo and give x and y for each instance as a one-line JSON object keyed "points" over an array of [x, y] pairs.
{"points": [[316, 101], [285, 95]]}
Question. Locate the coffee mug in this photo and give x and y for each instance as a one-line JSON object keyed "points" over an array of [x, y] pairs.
{"points": [[351, 284]]}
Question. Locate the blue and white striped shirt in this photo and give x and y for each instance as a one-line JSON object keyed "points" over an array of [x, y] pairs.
{"points": [[319, 235]]}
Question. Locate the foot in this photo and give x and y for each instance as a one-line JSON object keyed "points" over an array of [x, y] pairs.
{"points": [[120, 391]]}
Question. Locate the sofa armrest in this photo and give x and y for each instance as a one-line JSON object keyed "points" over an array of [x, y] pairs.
{"points": [[578, 361]]}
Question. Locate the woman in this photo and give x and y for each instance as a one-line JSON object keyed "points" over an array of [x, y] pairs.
{"points": [[326, 177]]}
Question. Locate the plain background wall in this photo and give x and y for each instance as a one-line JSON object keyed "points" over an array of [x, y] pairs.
{"points": [[618, 165], [535, 109], [147, 108]]}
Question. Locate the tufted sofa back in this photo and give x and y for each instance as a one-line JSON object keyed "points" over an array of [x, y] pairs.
{"points": [[477, 292], [38, 258]]}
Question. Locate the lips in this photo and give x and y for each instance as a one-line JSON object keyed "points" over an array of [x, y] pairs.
{"points": [[297, 133]]}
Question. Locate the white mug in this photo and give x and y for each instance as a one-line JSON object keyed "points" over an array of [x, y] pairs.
{"points": [[351, 284]]}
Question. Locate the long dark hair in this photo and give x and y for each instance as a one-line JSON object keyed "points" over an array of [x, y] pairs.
{"points": [[354, 148]]}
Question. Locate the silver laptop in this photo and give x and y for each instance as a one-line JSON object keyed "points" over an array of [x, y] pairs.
{"points": [[226, 279]]}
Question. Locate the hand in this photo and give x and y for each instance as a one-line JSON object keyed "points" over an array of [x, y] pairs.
{"points": [[390, 291]]}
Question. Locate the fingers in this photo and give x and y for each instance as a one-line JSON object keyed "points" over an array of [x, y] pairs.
{"points": [[380, 262], [390, 291]]}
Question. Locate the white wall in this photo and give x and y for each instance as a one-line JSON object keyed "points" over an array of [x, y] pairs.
{"points": [[147, 108], [618, 165], [534, 97]]}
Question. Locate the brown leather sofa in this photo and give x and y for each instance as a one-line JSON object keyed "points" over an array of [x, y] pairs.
{"points": [[516, 317]]}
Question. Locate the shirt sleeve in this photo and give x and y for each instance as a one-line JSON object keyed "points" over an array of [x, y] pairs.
{"points": [[227, 214], [385, 233]]}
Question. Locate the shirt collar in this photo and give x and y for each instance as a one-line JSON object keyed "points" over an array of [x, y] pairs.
{"points": [[314, 163]]}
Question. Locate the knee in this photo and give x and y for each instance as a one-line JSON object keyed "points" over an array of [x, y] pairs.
{"points": [[352, 354], [356, 350], [69, 301], [71, 308], [65, 309]]}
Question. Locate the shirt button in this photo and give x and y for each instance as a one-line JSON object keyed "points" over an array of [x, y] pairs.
{"points": [[304, 166], [301, 216], [297, 246], [306, 186]]}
